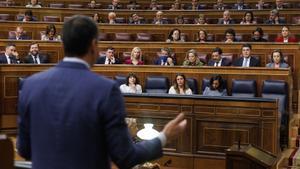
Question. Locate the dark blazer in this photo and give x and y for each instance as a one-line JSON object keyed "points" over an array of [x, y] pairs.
{"points": [[243, 6], [101, 60], [280, 21], [114, 7], [79, 124], [43, 59], [163, 21], [221, 21], [3, 59], [225, 62], [253, 62], [22, 37], [139, 22]]}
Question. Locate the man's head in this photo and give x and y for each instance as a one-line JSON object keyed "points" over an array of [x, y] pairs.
{"points": [[273, 14], [114, 2], [34, 2], [10, 49], [34, 48], [19, 31], [80, 38], [110, 52], [92, 4], [28, 15], [246, 50], [159, 15], [226, 15], [279, 3], [135, 17], [216, 54]]}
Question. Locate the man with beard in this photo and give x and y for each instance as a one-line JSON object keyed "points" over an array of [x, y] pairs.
{"points": [[34, 57], [10, 56]]}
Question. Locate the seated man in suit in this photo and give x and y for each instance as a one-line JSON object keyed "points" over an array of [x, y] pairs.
{"points": [[10, 56], [219, 5], [194, 5], [159, 18], [217, 60], [34, 56], [246, 60], [28, 16], [240, 5], [19, 34], [278, 4], [109, 57], [114, 5], [274, 18], [226, 18], [135, 19], [71, 117]]}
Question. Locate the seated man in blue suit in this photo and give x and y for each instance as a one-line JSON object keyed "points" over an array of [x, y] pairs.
{"points": [[10, 56], [246, 60], [73, 118]]}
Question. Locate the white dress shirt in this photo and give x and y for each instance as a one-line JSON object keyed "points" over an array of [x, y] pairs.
{"points": [[127, 89], [186, 92], [246, 62]]}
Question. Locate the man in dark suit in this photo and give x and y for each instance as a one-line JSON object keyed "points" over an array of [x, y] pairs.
{"points": [[34, 57], [159, 18], [19, 34], [73, 118], [240, 5], [217, 60], [109, 58], [226, 18], [10, 56], [114, 5], [135, 19], [274, 18], [246, 60]]}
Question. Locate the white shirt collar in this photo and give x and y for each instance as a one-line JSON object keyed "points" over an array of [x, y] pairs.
{"points": [[112, 60], [76, 60]]}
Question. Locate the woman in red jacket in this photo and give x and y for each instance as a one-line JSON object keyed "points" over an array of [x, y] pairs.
{"points": [[285, 36]]}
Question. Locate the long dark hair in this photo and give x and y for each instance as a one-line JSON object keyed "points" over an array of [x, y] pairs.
{"points": [[132, 75], [248, 12], [221, 82], [280, 53], [185, 85], [171, 33]]}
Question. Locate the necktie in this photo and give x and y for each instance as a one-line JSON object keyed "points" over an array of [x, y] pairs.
{"points": [[35, 60], [12, 61], [217, 63], [109, 61]]}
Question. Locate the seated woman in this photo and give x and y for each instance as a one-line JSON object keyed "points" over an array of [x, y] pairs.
{"points": [[230, 36], [192, 59], [33, 4], [175, 36], [277, 60], [131, 85], [216, 87], [201, 20], [135, 57], [51, 34], [286, 36], [166, 58], [180, 86], [202, 36], [248, 18], [179, 20], [111, 17], [257, 35]]}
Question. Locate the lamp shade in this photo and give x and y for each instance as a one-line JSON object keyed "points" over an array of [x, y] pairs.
{"points": [[148, 132]]}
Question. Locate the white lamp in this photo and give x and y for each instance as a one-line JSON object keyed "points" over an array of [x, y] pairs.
{"points": [[148, 132]]}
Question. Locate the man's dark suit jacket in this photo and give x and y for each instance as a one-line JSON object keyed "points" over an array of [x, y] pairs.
{"points": [[114, 7], [22, 37], [280, 21], [79, 123], [253, 62], [101, 60], [43, 59], [3, 59], [221, 21], [236, 6], [225, 62]]}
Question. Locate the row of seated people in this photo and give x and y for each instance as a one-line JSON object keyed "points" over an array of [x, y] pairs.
{"points": [[155, 5], [165, 57], [215, 86], [160, 18], [175, 35]]}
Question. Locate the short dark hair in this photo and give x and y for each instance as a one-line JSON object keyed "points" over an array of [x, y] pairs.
{"points": [[221, 82], [230, 31], [78, 34], [49, 27], [33, 43], [280, 53], [260, 30], [217, 49], [9, 45], [247, 45], [28, 13], [132, 75]]}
